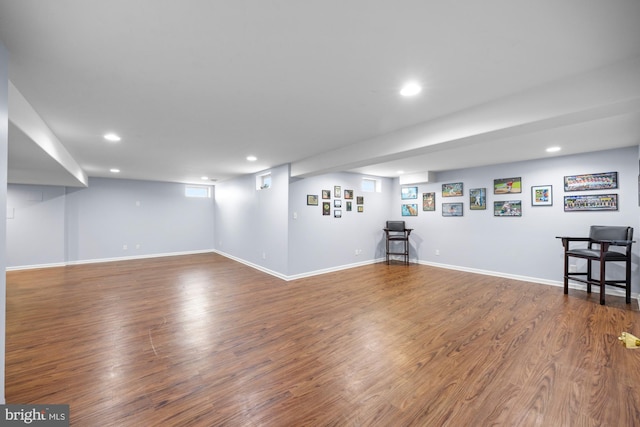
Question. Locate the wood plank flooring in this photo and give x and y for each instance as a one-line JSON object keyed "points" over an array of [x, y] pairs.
{"points": [[201, 340]]}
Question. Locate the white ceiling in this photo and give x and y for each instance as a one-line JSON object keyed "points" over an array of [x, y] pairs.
{"points": [[193, 87]]}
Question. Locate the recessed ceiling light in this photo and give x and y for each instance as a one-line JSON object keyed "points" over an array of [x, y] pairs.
{"points": [[204, 178], [553, 149], [112, 137], [410, 89], [252, 158], [400, 172], [114, 170]]}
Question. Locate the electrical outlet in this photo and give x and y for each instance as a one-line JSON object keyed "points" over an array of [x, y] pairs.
{"points": [[124, 247], [437, 251]]}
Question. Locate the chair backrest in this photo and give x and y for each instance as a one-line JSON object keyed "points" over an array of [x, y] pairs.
{"points": [[610, 232], [395, 226]]}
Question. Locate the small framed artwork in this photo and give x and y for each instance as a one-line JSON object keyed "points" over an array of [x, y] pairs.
{"points": [[452, 209], [326, 194], [541, 195], [507, 208], [337, 191], [477, 199], [360, 200], [312, 200], [348, 194], [337, 213], [360, 208], [591, 181], [591, 202], [452, 190], [337, 203], [507, 185], [409, 193], [410, 209], [428, 201], [349, 206], [326, 208]]}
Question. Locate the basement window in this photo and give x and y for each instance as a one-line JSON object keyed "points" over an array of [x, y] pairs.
{"points": [[198, 191], [371, 185], [263, 181]]}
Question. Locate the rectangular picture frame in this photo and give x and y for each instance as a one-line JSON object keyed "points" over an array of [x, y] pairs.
{"points": [[511, 208], [452, 209], [312, 200], [591, 181], [591, 202], [541, 195], [407, 193], [429, 201], [507, 185], [453, 189], [410, 209], [477, 199]]}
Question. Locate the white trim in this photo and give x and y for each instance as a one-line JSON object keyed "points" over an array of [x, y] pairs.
{"points": [[252, 265]]}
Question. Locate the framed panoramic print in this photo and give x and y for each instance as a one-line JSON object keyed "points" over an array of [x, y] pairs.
{"points": [[409, 193], [452, 209], [507, 208], [507, 185], [410, 209], [541, 195], [312, 200], [428, 201], [478, 199], [452, 190], [591, 181], [591, 202]]}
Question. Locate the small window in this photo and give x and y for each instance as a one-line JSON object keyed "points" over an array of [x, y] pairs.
{"points": [[370, 185], [200, 191], [263, 181]]}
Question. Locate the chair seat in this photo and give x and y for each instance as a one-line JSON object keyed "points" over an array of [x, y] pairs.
{"points": [[591, 253]]}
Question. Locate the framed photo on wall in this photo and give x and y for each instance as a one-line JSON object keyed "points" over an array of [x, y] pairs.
{"points": [[477, 199], [507, 208], [507, 185], [337, 191], [409, 193], [591, 181], [452, 209], [312, 200], [428, 201], [541, 195], [326, 194], [453, 189], [410, 209]]}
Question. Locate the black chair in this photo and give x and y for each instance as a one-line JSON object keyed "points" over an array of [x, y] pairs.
{"points": [[604, 244], [396, 232]]}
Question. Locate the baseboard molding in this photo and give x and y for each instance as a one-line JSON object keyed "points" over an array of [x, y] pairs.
{"points": [[102, 260]]}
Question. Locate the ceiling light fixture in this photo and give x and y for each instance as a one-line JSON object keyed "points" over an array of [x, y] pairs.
{"points": [[204, 178], [112, 137], [553, 149], [252, 158], [410, 89], [114, 170]]}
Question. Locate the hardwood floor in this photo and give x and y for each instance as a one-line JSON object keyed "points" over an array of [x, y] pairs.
{"points": [[201, 340]]}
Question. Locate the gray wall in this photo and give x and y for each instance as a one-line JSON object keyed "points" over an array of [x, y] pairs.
{"points": [[4, 126], [53, 225], [251, 224]]}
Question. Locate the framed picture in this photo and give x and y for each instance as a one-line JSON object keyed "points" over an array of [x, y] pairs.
{"points": [[452, 190], [428, 201], [326, 194], [326, 208], [337, 203], [337, 191], [478, 199], [452, 209], [591, 181], [410, 209], [348, 194], [409, 193], [541, 195], [507, 208], [360, 200], [312, 200], [507, 185], [349, 206], [360, 208], [337, 213], [591, 202]]}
